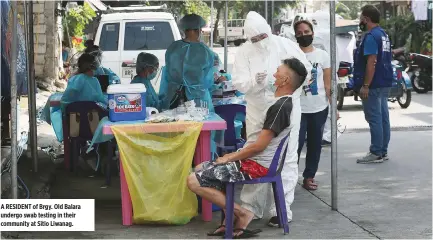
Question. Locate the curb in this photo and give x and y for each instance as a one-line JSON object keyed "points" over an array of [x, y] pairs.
{"points": [[397, 129]]}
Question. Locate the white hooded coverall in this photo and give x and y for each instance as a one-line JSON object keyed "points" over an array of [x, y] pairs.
{"points": [[266, 56]]}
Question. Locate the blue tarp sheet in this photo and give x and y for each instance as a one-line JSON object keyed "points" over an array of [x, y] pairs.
{"points": [[6, 46]]}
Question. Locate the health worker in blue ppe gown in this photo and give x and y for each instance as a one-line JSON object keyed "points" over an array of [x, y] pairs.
{"points": [[83, 86], [147, 67], [96, 51], [188, 74]]}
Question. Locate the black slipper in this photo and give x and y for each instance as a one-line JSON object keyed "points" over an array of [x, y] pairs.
{"points": [[215, 233], [246, 233]]}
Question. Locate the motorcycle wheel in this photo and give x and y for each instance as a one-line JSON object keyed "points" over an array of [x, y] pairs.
{"points": [[416, 85], [404, 101], [340, 98]]}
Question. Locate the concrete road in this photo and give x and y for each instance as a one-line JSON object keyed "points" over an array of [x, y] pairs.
{"points": [[418, 114], [389, 200]]}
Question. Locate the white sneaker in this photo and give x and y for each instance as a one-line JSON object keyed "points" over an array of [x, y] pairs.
{"points": [[385, 157]]}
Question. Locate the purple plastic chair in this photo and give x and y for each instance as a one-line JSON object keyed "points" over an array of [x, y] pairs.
{"points": [[84, 133], [274, 177], [228, 113]]}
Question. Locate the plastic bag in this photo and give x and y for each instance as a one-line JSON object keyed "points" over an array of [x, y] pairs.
{"points": [[156, 168]]}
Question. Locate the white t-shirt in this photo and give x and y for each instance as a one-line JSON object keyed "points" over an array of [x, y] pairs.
{"points": [[313, 96]]}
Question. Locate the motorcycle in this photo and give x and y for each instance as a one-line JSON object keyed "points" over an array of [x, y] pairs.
{"points": [[420, 70], [400, 54], [401, 90]]}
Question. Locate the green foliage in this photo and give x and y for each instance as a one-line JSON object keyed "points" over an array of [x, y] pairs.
{"points": [[349, 9], [237, 8], [402, 28], [196, 6], [426, 45], [243, 7], [78, 18], [180, 8]]}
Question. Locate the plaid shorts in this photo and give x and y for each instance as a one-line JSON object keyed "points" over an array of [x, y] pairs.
{"points": [[215, 176]]}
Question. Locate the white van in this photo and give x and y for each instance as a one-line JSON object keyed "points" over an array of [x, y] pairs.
{"points": [[125, 32], [235, 32]]}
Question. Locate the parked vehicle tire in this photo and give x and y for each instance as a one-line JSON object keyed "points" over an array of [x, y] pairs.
{"points": [[416, 84], [221, 42], [405, 100], [340, 98], [238, 42]]}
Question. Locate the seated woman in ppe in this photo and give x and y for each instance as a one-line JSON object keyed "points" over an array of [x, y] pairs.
{"points": [[147, 67], [254, 60], [252, 161], [96, 51], [188, 73], [83, 86]]}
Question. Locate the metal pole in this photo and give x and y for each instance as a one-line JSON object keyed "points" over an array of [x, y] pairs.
{"points": [[334, 191], [226, 18], [272, 15], [211, 24], [28, 20], [14, 118], [266, 11]]}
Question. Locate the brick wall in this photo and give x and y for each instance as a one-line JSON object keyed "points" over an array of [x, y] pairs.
{"points": [[46, 41]]}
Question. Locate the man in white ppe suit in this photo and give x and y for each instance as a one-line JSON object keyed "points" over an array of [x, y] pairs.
{"points": [[255, 62]]}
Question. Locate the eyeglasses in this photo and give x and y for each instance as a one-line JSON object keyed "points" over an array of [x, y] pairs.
{"points": [[259, 37]]}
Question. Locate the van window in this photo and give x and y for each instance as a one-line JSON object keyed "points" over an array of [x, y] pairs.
{"points": [[147, 36], [109, 37]]}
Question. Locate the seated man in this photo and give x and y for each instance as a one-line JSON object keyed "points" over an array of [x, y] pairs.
{"points": [[254, 159]]}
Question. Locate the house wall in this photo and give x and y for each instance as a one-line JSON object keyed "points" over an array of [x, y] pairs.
{"points": [[47, 42]]}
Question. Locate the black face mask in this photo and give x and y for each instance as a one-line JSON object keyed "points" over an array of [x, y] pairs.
{"points": [[305, 41], [363, 26]]}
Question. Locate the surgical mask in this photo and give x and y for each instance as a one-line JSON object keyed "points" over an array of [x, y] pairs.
{"points": [[363, 26], [151, 76], [271, 85], [305, 40]]}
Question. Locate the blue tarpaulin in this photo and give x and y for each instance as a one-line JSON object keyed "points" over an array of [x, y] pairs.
{"points": [[6, 47]]}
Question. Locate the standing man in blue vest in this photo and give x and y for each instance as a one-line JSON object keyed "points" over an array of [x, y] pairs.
{"points": [[373, 80]]}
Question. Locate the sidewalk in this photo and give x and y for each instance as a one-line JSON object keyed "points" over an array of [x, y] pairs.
{"points": [[388, 200], [392, 199]]}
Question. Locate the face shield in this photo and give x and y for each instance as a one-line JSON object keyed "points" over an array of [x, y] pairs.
{"points": [[147, 61], [87, 62], [97, 53]]}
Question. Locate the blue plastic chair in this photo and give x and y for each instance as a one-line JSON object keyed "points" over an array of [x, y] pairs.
{"points": [[228, 113], [274, 177], [84, 133]]}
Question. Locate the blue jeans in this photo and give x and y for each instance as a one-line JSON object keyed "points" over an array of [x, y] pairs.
{"points": [[377, 115], [312, 125]]}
